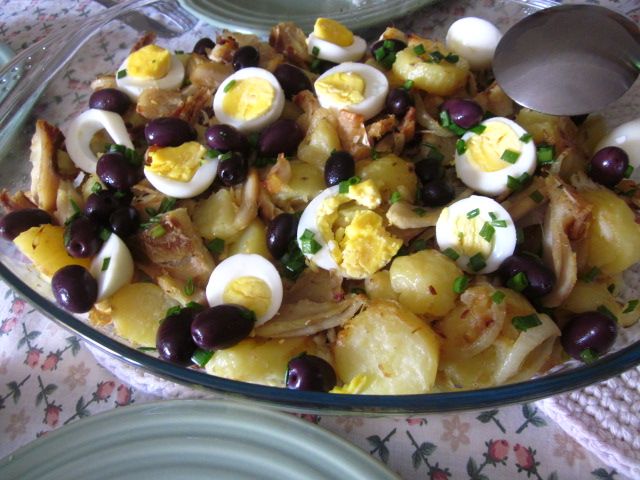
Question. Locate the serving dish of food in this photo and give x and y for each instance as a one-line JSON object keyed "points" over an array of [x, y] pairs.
{"points": [[319, 220]]}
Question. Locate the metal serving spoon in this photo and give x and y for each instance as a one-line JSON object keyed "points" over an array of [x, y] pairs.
{"points": [[568, 60]]}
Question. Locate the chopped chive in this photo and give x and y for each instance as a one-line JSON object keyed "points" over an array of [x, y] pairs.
{"points": [[122, 73], [628, 172], [189, 288], [493, 215], [460, 284], [591, 275], [478, 129], [216, 245], [419, 211], [605, 311], [388, 60], [104, 234], [374, 154], [173, 311], [451, 253], [315, 65], [96, 187], [436, 56], [201, 357], [146, 349], [408, 85], [419, 49], [379, 53], [293, 261], [516, 184], [308, 244], [631, 306], [588, 355], [167, 204], [345, 184], [545, 154], [473, 213], [315, 51], [388, 45], [526, 138], [157, 231], [395, 197], [510, 156], [536, 196], [518, 282], [461, 146], [452, 58], [446, 122], [419, 244], [497, 297], [477, 262], [225, 156], [519, 236], [526, 322], [499, 223], [229, 86], [487, 232], [105, 264]]}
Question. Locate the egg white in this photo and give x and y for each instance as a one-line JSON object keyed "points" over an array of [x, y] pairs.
{"points": [[134, 86], [474, 39], [375, 91], [495, 183], [309, 221], [256, 124], [119, 271], [201, 180], [504, 238], [336, 53], [82, 129], [245, 265], [626, 137]]}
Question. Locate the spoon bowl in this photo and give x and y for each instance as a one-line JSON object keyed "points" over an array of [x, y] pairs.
{"points": [[568, 60]]}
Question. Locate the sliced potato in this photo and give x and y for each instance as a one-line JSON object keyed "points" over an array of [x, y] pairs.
{"points": [[396, 351], [321, 139], [214, 216], [390, 174], [137, 310], [587, 297], [378, 286], [44, 246], [253, 239], [263, 361]]}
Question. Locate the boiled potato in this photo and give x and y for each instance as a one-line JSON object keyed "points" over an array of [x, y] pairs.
{"points": [[263, 361], [44, 246], [441, 78], [391, 174], [137, 310], [587, 297], [305, 183], [378, 286], [424, 282], [253, 239], [613, 239], [321, 139], [213, 217], [396, 351]]}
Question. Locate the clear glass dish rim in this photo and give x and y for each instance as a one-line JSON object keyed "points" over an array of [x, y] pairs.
{"points": [[284, 399]]}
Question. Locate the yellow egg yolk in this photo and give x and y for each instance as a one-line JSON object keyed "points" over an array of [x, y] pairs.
{"points": [[149, 63], [468, 238], [356, 385], [332, 31], [250, 292], [344, 88], [248, 98], [484, 150], [177, 163]]}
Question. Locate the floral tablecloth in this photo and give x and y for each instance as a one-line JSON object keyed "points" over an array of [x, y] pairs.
{"points": [[49, 379]]}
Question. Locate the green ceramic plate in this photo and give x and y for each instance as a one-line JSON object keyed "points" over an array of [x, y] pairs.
{"points": [[259, 17], [192, 439]]}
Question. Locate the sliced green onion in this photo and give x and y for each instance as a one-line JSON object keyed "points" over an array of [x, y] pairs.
{"points": [[104, 234], [478, 129], [225, 156], [408, 85], [526, 322], [436, 56], [519, 236], [545, 154], [518, 282], [588, 355], [216, 245], [343, 186], [510, 156], [605, 311], [477, 262], [315, 51], [395, 197], [105, 264], [388, 60], [460, 284], [308, 244], [536, 196], [461, 146], [526, 138], [419, 211], [419, 244], [157, 231], [419, 49], [388, 44], [121, 73], [173, 311], [628, 171], [96, 187], [497, 297], [293, 261], [451, 253], [446, 122], [189, 288], [167, 204], [201, 357], [452, 58], [487, 232], [631, 306], [499, 223], [229, 86], [473, 213]]}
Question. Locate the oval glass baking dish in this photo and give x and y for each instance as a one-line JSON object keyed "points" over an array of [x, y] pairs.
{"points": [[51, 80]]}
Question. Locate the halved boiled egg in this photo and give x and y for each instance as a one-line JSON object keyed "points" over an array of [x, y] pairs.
{"points": [[249, 280], [250, 100], [474, 39], [355, 87], [149, 66], [493, 151], [82, 129], [333, 41], [181, 172], [341, 231], [112, 267], [478, 232]]}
